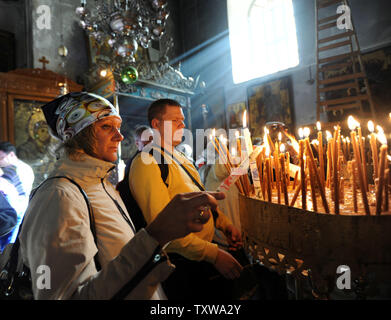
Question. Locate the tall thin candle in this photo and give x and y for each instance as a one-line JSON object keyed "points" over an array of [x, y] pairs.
{"points": [[321, 155], [302, 173], [356, 151], [372, 141], [379, 191]]}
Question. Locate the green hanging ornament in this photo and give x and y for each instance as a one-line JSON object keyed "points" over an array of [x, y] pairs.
{"points": [[129, 75]]}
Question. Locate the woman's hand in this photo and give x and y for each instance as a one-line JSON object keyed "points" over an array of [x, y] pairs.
{"points": [[184, 214]]}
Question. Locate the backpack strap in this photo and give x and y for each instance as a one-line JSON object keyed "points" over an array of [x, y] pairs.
{"points": [[214, 212], [163, 166]]}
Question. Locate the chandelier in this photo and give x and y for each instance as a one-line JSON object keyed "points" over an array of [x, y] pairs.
{"points": [[124, 25]]}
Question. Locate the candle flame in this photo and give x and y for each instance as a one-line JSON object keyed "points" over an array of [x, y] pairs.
{"points": [[294, 142], [318, 126], [301, 133], [222, 139], [371, 126], [352, 123], [328, 135], [266, 130], [379, 129], [382, 138], [266, 142], [306, 132], [279, 136], [315, 141], [282, 148], [388, 157], [347, 140], [267, 150], [245, 119]]}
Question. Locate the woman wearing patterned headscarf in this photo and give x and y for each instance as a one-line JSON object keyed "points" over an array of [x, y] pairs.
{"points": [[56, 232]]}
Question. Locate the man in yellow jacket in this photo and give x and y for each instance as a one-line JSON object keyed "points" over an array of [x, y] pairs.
{"points": [[153, 194]]}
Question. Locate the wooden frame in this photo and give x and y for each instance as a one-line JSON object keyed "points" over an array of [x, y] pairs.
{"points": [[22, 92], [268, 102]]}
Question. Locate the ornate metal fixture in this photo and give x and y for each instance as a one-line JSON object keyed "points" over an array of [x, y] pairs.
{"points": [[123, 25], [128, 27]]}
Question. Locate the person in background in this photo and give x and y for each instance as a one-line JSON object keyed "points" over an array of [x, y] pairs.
{"points": [[10, 193], [8, 219], [197, 259], [142, 136], [8, 157], [12, 188], [56, 232]]}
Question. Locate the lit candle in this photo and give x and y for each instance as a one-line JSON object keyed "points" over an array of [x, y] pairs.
{"points": [[222, 143], [268, 139], [283, 180], [264, 180], [382, 166], [268, 179], [312, 185], [255, 176], [306, 132], [352, 126], [302, 174], [344, 148], [279, 136], [239, 146], [375, 160], [277, 173], [329, 168], [213, 140], [247, 135], [234, 158], [361, 142], [336, 171], [321, 155], [316, 176]]}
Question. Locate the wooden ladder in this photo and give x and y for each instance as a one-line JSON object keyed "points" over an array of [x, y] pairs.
{"points": [[341, 81]]}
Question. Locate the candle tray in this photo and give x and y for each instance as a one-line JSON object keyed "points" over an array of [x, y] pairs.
{"points": [[311, 246]]}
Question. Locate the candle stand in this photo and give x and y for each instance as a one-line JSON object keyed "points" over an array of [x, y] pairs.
{"points": [[311, 246]]}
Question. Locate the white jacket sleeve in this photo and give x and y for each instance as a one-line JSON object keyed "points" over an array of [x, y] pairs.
{"points": [[56, 237]]}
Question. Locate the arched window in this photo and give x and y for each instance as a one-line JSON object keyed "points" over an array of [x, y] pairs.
{"points": [[262, 37]]}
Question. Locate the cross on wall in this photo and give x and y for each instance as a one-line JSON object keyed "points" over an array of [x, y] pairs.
{"points": [[44, 62]]}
